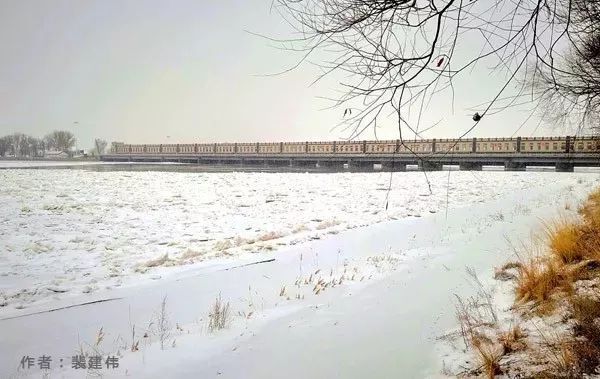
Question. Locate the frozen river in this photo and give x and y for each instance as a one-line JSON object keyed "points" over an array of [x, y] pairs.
{"points": [[68, 232]]}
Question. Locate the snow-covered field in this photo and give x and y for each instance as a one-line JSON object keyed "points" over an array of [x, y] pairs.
{"points": [[367, 301]]}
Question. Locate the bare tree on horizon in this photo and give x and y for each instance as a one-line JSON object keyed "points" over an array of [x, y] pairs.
{"points": [[100, 146], [61, 140]]}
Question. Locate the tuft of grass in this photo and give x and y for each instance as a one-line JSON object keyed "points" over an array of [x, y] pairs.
{"points": [[563, 241], [571, 358], [99, 337], [512, 340], [219, 316], [539, 279], [162, 323], [585, 309], [563, 362], [489, 357], [590, 210], [135, 344], [586, 347]]}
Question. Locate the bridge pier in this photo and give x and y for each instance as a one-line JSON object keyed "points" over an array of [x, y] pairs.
{"points": [[369, 166], [393, 166], [564, 167], [470, 166], [364, 166], [429, 166], [325, 164], [302, 163], [514, 166]]}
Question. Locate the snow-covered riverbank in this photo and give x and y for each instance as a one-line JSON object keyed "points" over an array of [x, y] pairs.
{"points": [[369, 301]]}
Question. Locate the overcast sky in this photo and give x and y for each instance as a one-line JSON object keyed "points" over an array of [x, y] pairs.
{"points": [[182, 71]]}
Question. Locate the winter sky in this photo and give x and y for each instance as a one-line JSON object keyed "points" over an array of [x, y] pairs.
{"points": [[144, 71]]}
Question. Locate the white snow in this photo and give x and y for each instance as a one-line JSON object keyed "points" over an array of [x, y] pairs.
{"points": [[138, 236]]}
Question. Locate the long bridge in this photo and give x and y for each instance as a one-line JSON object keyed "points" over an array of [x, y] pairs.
{"points": [[563, 153]]}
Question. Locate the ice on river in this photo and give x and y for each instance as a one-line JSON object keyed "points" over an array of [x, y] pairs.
{"points": [[68, 232]]}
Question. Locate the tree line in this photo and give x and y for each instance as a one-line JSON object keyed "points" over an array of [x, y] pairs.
{"points": [[23, 145]]}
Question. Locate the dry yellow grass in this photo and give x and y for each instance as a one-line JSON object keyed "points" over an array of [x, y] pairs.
{"points": [[489, 357], [586, 345], [539, 279], [547, 277], [590, 211], [585, 309], [573, 250], [512, 340], [563, 241], [547, 280], [573, 254], [563, 361]]}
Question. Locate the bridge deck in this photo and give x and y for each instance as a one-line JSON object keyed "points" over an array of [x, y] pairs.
{"points": [[515, 161]]}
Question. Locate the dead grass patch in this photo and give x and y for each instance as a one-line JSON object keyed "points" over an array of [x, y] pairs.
{"points": [[564, 241], [327, 224], [573, 254], [512, 340], [539, 279], [223, 245], [190, 254], [270, 236], [158, 261], [300, 228], [563, 363], [163, 260], [586, 329], [590, 210], [219, 316], [489, 357], [563, 276]]}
